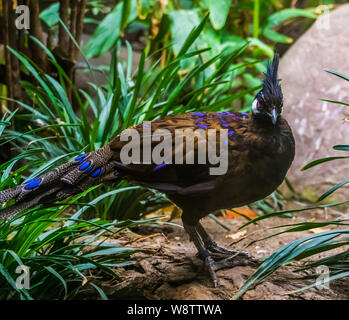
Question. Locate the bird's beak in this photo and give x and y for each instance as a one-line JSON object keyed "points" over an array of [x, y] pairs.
{"points": [[274, 116]]}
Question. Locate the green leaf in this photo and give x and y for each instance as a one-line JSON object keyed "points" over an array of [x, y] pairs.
{"points": [[338, 74], [59, 277], [333, 189], [316, 162], [281, 16], [110, 251], [219, 10], [108, 31], [126, 9], [276, 37], [51, 15], [344, 147], [336, 102], [261, 45], [100, 291], [182, 24], [144, 8]]}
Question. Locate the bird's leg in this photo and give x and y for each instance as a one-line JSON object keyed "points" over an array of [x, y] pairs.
{"points": [[202, 251], [212, 246]]}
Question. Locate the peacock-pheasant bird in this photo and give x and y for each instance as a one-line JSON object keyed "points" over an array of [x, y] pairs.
{"points": [[260, 149]]}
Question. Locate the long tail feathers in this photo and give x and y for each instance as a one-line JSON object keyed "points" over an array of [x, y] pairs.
{"points": [[65, 181]]}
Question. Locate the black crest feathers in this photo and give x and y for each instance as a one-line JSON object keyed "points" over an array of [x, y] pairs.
{"points": [[272, 94]]}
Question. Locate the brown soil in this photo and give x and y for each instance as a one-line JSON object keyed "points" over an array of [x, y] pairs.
{"points": [[169, 268]]}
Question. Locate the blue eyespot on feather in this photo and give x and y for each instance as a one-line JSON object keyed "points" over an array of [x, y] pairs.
{"points": [[89, 169], [200, 114], [96, 173], [231, 132], [225, 125], [160, 166], [33, 183], [85, 165], [244, 114], [30, 180], [81, 157], [199, 119], [201, 126]]}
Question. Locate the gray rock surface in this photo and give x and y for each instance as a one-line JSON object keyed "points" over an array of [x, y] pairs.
{"points": [[318, 125]]}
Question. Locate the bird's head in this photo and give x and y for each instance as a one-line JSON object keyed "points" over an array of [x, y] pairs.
{"points": [[267, 106]]}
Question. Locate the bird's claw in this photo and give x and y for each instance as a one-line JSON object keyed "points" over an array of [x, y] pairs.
{"points": [[210, 266]]}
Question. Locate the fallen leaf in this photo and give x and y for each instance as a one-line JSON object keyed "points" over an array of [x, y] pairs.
{"points": [[237, 235], [84, 281], [239, 213], [170, 212], [317, 230]]}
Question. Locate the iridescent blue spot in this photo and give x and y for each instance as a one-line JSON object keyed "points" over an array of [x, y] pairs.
{"points": [[96, 173], [244, 114], [231, 132], [81, 157], [225, 125], [200, 114], [85, 165], [30, 180], [89, 169], [202, 126], [225, 142], [160, 166], [33, 183], [199, 119]]}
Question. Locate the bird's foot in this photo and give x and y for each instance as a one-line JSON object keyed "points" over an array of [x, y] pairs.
{"points": [[234, 261], [215, 248], [237, 259]]}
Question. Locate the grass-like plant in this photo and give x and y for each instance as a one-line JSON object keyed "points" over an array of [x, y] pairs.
{"points": [[56, 249]]}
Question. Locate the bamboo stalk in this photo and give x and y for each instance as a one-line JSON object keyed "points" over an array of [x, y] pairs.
{"points": [[7, 5], [38, 54], [63, 37]]}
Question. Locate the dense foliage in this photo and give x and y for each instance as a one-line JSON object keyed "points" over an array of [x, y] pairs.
{"points": [[196, 55]]}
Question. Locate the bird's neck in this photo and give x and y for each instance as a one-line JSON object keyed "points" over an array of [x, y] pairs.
{"points": [[261, 121]]}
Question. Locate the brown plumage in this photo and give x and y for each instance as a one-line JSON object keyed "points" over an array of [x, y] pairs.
{"points": [[260, 151]]}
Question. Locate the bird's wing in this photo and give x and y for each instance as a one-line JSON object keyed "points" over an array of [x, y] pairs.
{"points": [[171, 176]]}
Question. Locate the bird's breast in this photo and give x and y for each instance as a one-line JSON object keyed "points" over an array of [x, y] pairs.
{"points": [[257, 171]]}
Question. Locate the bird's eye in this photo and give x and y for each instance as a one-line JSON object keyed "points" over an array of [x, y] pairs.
{"points": [[255, 106]]}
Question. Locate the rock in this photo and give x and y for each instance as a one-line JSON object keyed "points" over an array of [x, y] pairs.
{"points": [[317, 125]]}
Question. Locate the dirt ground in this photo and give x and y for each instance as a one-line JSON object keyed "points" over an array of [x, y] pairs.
{"points": [[169, 269]]}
